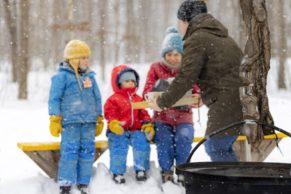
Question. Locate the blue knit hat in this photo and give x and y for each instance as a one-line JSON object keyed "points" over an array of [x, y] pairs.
{"points": [[172, 41]]}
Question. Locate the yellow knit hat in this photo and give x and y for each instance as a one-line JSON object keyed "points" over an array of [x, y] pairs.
{"points": [[76, 49]]}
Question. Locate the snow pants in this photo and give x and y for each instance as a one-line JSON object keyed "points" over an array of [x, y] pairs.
{"points": [[76, 154], [118, 148], [220, 149], [173, 143]]}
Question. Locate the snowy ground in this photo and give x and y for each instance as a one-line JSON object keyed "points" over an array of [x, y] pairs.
{"points": [[27, 121]]}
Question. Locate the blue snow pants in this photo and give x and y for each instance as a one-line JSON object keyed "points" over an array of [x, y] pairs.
{"points": [[76, 154], [220, 149], [173, 143], [118, 148]]}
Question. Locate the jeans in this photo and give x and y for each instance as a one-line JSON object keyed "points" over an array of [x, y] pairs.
{"points": [[220, 149], [173, 143], [118, 148]]}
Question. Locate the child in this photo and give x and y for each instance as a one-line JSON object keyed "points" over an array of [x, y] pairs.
{"points": [[174, 126], [127, 126], [75, 112]]}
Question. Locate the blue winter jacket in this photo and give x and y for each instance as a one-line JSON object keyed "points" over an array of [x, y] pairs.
{"points": [[67, 100]]}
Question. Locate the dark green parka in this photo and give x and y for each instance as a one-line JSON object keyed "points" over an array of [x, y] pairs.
{"points": [[211, 59]]}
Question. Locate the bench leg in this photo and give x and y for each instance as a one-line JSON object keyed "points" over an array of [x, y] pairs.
{"points": [[48, 160]]}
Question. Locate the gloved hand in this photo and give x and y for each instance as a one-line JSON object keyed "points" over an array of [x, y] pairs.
{"points": [[149, 131], [99, 125], [55, 125], [115, 126]]}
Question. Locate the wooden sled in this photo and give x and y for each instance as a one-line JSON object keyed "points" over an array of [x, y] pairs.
{"points": [[186, 100]]}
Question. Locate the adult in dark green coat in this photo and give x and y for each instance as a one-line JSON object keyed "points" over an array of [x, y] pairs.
{"points": [[211, 59]]}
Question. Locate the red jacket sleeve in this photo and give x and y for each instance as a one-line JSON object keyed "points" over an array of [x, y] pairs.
{"points": [[110, 113], [150, 81]]}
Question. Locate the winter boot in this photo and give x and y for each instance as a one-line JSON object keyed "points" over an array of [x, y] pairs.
{"points": [[83, 188], [167, 176], [65, 189], [141, 176], [118, 178]]}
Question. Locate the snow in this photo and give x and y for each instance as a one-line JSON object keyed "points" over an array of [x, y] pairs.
{"points": [[27, 121]]}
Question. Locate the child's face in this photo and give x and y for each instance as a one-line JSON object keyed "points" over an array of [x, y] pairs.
{"points": [[84, 63], [173, 58], [127, 84]]}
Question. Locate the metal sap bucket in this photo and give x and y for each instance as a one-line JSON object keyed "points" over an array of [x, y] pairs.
{"points": [[235, 177]]}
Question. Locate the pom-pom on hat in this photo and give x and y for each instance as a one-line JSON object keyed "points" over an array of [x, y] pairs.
{"points": [[172, 41]]}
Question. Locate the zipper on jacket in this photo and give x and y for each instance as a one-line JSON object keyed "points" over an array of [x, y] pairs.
{"points": [[130, 100]]}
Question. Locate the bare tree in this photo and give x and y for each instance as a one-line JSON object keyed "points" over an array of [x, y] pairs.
{"points": [[282, 44], [238, 26], [129, 33], [102, 35], [146, 6], [117, 31], [24, 51], [166, 7], [254, 71], [10, 17], [56, 40]]}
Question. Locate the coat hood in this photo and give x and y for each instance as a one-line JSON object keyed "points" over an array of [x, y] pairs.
{"points": [[206, 23], [64, 66], [117, 72]]}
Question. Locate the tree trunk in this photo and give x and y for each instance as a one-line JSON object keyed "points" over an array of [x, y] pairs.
{"points": [[117, 31], [256, 63], [10, 17], [24, 52], [43, 51], [145, 32], [129, 46], [102, 61], [238, 25], [254, 71], [282, 44], [56, 40]]}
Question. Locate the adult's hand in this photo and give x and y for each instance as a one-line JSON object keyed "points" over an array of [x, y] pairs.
{"points": [[153, 104]]}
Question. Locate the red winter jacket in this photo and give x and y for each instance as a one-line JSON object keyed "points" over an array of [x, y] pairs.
{"points": [[171, 116], [118, 106]]}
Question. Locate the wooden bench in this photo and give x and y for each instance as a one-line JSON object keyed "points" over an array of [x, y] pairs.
{"points": [[46, 154]]}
